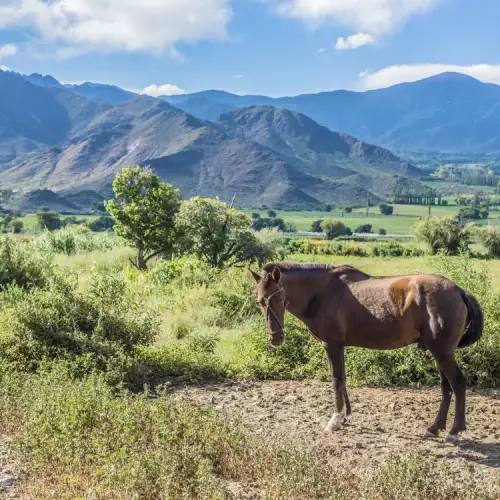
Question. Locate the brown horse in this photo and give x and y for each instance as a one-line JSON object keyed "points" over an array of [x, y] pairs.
{"points": [[342, 306]]}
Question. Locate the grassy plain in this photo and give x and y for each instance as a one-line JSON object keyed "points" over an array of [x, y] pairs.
{"points": [[401, 222]]}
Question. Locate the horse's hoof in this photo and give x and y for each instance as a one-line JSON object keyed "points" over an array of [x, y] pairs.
{"points": [[431, 434], [451, 438], [333, 427]]}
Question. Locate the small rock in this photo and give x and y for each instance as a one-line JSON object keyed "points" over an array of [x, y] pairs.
{"points": [[290, 399], [6, 481], [359, 446]]}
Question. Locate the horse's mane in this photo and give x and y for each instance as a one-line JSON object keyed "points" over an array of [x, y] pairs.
{"points": [[295, 267]]}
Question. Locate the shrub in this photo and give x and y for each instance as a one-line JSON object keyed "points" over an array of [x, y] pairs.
{"points": [[348, 210], [74, 239], [102, 223], [95, 331], [386, 209], [363, 228], [316, 226], [334, 229], [490, 238], [442, 234], [48, 220], [382, 232], [22, 265], [16, 226]]}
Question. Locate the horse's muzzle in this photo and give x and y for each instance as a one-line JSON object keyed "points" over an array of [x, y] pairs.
{"points": [[277, 339]]}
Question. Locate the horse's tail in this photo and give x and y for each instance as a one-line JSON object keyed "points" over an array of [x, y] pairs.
{"points": [[475, 321]]}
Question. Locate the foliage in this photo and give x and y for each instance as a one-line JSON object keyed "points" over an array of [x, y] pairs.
{"points": [[442, 234], [348, 210], [334, 229], [472, 213], [16, 226], [326, 207], [382, 232], [394, 249], [144, 212], [216, 233], [21, 266], [264, 222], [316, 226], [271, 214], [363, 228], [386, 209], [72, 240], [94, 331], [490, 238], [48, 220], [102, 223]]}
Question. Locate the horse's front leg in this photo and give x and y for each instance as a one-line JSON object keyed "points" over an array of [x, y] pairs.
{"points": [[335, 354]]}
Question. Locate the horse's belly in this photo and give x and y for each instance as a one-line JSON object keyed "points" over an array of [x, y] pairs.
{"points": [[384, 335]]}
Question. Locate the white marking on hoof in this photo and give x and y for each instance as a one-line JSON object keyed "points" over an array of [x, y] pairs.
{"points": [[451, 438], [336, 421]]}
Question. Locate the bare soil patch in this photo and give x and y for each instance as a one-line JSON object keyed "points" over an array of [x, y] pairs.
{"points": [[383, 421]]}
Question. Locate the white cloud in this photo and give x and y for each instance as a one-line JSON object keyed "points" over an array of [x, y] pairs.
{"points": [[237, 77], [159, 90], [489, 73], [7, 50], [320, 51], [354, 41], [370, 16], [4, 68], [77, 26]]}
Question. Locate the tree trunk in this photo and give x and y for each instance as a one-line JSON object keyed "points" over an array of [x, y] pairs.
{"points": [[140, 262]]}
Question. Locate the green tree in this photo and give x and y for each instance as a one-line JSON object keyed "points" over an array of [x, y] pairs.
{"points": [[348, 210], [16, 226], [216, 232], [271, 214], [48, 220], [442, 234], [316, 226], [334, 229], [386, 209], [144, 210], [364, 228]]}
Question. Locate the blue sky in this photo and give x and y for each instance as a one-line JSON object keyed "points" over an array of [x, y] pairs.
{"points": [[272, 47]]}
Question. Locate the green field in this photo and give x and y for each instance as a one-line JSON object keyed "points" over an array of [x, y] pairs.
{"points": [[400, 222], [31, 223]]}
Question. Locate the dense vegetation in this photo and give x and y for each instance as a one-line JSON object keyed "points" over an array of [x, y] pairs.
{"points": [[79, 341]]}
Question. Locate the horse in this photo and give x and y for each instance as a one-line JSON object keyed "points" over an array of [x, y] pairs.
{"points": [[343, 306]]}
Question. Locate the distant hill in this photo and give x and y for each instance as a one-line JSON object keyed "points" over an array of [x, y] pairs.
{"points": [[450, 112], [263, 155]]}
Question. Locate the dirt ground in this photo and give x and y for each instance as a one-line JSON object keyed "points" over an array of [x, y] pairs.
{"points": [[383, 421]]}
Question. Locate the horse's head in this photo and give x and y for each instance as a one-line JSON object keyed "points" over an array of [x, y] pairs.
{"points": [[272, 302]]}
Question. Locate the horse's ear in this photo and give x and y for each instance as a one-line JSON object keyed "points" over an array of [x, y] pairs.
{"points": [[276, 274], [255, 277]]}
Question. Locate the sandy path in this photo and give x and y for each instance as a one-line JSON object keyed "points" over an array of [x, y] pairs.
{"points": [[383, 420]]}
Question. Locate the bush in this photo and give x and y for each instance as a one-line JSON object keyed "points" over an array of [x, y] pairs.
{"points": [[382, 232], [363, 228], [74, 239], [102, 223], [21, 265], [16, 226], [442, 234], [386, 209], [334, 229], [95, 331], [316, 226], [48, 220], [490, 238]]}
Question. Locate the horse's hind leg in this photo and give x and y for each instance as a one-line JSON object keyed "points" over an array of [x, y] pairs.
{"points": [[346, 396], [440, 422], [458, 382], [335, 354]]}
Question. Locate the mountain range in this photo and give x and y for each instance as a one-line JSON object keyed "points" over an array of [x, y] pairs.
{"points": [[74, 138]]}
